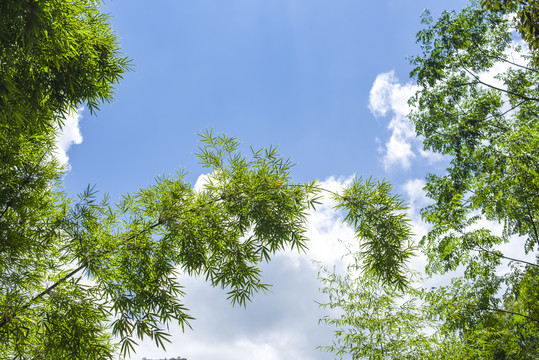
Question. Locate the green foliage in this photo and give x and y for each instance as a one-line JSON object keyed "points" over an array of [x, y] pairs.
{"points": [[374, 320], [54, 55], [487, 131], [527, 18], [132, 251], [382, 228]]}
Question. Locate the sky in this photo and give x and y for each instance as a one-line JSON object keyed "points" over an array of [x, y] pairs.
{"points": [[324, 81]]}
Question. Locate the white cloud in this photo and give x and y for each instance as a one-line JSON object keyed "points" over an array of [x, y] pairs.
{"points": [[380, 94], [324, 230], [431, 156], [387, 95], [275, 345], [398, 151], [69, 134], [202, 180], [417, 197]]}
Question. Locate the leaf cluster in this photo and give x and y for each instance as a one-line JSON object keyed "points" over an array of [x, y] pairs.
{"points": [[526, 16], [381, 226], [54, 56]]}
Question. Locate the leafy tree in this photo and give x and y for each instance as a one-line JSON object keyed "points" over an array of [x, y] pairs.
{"points": [[488, 132], [79, 275], [54, 55]]}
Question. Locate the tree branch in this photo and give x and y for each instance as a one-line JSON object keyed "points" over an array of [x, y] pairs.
{"points": [[492, 86], [509, 62], [478, 80], [505, 257], [508, 312], [72, 273], [530, 215], [50, 288], [159, 222], [503, 114], [6, 319]]}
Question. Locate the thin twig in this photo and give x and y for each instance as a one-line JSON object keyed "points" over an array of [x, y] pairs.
{"points": [[509, 62], [508, 312], [505, 257], [497, 88]]}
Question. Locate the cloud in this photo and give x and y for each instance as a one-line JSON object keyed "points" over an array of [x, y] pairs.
{"points": [[387, 95], [324, 230], [398, 151], [274, 345], [69, 134], [417, 198], [202, 181]]}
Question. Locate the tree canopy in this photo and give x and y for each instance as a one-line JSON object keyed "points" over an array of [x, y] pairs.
{"points": [[485, 124]]}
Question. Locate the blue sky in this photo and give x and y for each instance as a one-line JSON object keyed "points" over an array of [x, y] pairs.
{"points": [[325, 81]]}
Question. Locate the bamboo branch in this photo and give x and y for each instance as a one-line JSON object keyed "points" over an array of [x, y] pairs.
{"points": [[72, 273], [6, 319], [50, 288]]}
